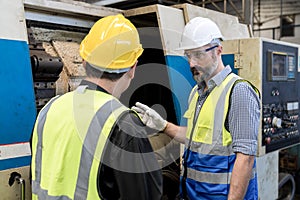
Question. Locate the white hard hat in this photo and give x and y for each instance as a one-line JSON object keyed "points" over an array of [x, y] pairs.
{"points": [[199, 32]]}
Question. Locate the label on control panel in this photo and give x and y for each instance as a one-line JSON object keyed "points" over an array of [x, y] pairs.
{"points": [[292, 106]]}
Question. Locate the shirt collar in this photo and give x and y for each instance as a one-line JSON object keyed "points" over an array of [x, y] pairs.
{"points": [[93, 86], [217, 79]]}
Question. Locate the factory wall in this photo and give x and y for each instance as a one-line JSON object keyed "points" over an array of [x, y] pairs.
{"points": [[273, 31]]}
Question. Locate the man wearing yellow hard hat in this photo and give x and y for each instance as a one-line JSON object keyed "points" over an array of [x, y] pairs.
{"points": [[86, 143]]}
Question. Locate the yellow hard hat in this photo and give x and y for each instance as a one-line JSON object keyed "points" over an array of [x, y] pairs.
{"points": [[113, 44]]}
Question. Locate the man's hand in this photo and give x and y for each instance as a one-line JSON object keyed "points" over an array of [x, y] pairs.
{"points": [[150, 117]]}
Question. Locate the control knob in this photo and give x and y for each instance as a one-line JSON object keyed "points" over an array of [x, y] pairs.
{"points": [[277, 122]]}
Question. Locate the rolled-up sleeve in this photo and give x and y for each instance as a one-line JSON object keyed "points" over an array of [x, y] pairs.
{"points": [[244, 118]]}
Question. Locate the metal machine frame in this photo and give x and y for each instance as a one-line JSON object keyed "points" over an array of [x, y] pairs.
{"points": [[18, 100], [160, 35]]}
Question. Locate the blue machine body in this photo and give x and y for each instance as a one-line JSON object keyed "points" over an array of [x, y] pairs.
{"points": [[18, 110]]}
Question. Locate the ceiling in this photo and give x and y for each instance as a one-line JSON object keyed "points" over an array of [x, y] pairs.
{"points": [[263, 10]]}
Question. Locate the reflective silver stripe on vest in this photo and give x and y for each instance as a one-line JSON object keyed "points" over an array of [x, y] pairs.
{"points": [[90, 142], [192, 94], [43, 194], [41, 122], [213, 178], [216, 148]]}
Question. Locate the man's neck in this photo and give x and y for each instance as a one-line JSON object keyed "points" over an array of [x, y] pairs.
{"points": [[108, 85]]}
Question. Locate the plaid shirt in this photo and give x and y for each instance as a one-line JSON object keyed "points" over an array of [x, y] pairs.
{"points": [[244, 114]]}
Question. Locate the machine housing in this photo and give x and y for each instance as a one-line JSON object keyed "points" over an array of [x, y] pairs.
{"points": [[272, 66]]}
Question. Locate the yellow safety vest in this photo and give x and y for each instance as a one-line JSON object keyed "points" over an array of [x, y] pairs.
{"points": [[68, 141], [211, 157], [212, 114]]}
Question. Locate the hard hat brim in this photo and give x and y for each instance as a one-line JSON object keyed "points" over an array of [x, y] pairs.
{"points": [[189, 47]]}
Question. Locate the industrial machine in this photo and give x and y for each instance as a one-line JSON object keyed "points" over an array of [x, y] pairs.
{"points": [[17, 102], [42, 60], [45, 71], [273, 67], [34, 69]]}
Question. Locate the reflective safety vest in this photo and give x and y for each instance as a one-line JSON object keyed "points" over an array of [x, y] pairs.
{"points": [[68, 141], [210, 160]]}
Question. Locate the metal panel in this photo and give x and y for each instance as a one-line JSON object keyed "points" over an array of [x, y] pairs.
{"points": [[17, 108], [170, 29], [12, 21], [62, 20], [17, 150], [70, 8], [73, 13], [229, 25], [13, 192], [267, 176], [140, 11], [181, 82]]}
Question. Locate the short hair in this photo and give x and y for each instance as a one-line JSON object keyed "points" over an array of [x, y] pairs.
{"points": [[96, 73]]}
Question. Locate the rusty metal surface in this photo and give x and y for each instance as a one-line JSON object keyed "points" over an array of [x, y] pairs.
{"points": [[73, 71], [69, 53]]}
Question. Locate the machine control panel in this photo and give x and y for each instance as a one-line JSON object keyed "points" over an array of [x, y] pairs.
{"points": [[280, 124], [280, 97], [273, 67]]}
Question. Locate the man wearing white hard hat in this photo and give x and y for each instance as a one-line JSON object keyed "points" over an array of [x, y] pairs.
{"points": [[222, 122]]}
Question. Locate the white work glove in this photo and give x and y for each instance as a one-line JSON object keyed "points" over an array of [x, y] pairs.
{"points": [[150, 117]]}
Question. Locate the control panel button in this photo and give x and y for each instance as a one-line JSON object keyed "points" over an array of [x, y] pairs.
{"points": [[276, 122]]}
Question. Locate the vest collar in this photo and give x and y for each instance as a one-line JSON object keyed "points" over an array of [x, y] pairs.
{"points": [[93, 86]]}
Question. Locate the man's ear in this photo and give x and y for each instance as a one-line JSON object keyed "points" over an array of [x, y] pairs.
{"points": [[83, 63], [131, 72], [219, 49]]}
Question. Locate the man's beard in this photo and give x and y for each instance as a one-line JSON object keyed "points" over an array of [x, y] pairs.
{"points": [[201, 74]]}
